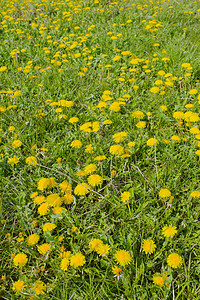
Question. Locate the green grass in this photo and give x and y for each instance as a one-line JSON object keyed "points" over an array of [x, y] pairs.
{"points": [[100, 214]]}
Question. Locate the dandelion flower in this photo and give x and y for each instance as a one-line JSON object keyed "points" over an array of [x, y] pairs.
{"points": [[116, 150], [123, 257], [90, 168], [64, 264], [141, 124], [160, 279], [16, 144], [148, 246], [119, 137], [54, 200], [82, 189], [39, 199], [43, 209], [95, 244], [164, 193], [116, 270], [77, 260], [195, 194], [95, 180], [152, 142], [39, 287], [138, 114], [18, 285], [43, 184], [68, 198], [42, 249], [125, 196], [169, 231], [174, 260], [65, 186], [76, 144], [103, 249], [48, 227], [31, 160], [20, 259], [33, 239]]}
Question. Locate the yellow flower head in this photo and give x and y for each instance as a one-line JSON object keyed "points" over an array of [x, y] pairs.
{"points": [[125, 196], [39, 287], [160, 279], [48, 227], [148, 246], [64, 264], [169, 231], [42, 249], [76, 144], [89, 169], [119, 137], [18, 285], [123, 257], [82, 189], [20, 259], [103, 249], [164, 193], [95, 244], [77, 260], [95, 180], [33, 239], [116, 150], [174, 260], [152, 142]]}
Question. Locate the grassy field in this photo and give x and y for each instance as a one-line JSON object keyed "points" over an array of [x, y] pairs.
{"points": [[99, 149]]}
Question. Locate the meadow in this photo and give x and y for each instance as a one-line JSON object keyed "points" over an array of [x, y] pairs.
{"points": [[99, 149]]}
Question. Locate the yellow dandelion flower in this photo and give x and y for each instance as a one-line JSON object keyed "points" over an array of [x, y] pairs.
{"points": [[123, 257], [100, 158], [16, 144], [116, 270], [48, 227], [43, 209], [76, 144], [65, 186], [18, 285], [195, 194], [148, 246], [31, 160], [169, 231], [39, 199], [77, 260], [155, 90], [95, 244], [95, 180], [138, 114], [160, 279], [89, 169], [20, 259], [54, 200], [119, 137], [64, 264], [33, 239], [174, 260], [152, 142], [39, 287], [116, 150], [164, 193], [43, 184], [141, 124], [82, 189], [103, 249], [44, 248], [125, 196]]}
